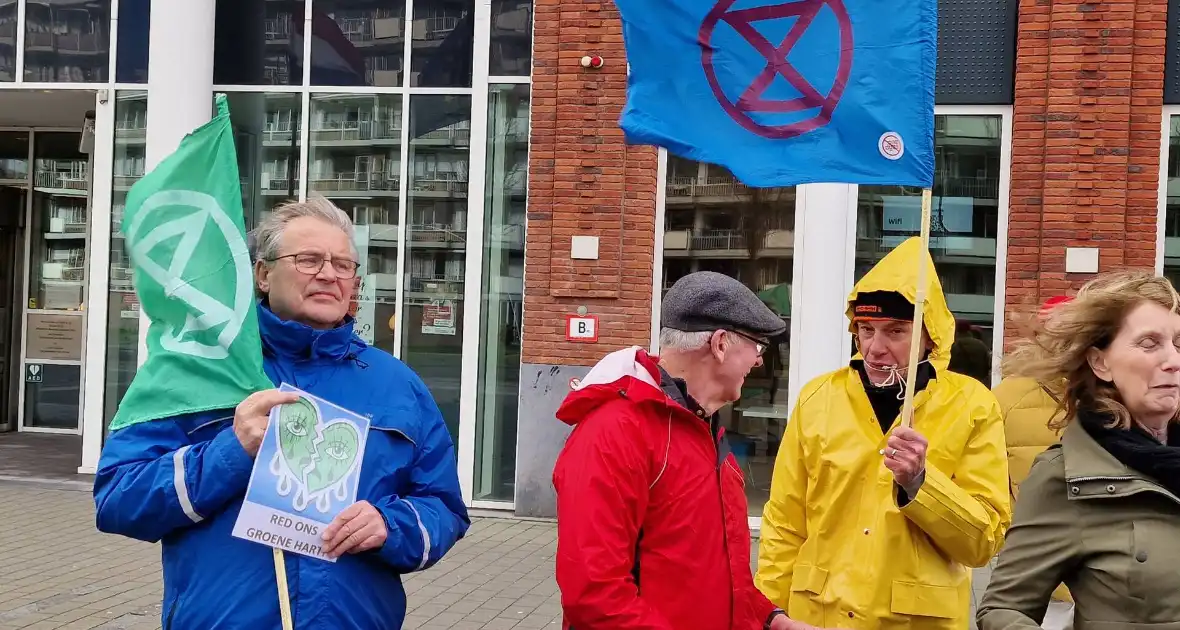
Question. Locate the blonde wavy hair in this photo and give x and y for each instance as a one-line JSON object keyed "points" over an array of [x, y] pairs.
{"points": [[1054, 352]]}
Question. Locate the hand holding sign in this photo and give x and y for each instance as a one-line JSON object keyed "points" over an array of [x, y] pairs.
{"points": [[253, 414], [358, 528]]}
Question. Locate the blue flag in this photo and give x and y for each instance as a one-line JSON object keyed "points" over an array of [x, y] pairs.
{"points": [[786, 93]]}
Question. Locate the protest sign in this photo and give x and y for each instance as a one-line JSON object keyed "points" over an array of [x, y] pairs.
{"points": [[306, 472]]}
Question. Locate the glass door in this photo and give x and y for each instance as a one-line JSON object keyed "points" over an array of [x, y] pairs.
{"points": [[14, 189], [54, 331]]}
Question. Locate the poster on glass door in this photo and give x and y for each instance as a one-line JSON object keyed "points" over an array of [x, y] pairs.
{"points": [[438, 317]]}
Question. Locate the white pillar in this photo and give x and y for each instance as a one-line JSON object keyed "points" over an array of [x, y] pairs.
{"points": [[97, 282], [180, 85], [825, 259]]}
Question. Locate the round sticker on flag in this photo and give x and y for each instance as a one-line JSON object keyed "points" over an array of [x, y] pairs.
{"points": [[891, 146]]}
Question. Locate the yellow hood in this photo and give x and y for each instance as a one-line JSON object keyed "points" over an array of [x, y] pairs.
{"points": [[898, 271]]}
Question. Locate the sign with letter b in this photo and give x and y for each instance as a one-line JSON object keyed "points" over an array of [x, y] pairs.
{"points": [[581, 328]]}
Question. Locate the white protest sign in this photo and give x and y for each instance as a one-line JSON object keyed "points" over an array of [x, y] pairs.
{"points": [[306, 472]]}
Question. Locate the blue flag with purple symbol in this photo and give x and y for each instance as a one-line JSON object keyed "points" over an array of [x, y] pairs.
{"points": [[786, 92]]}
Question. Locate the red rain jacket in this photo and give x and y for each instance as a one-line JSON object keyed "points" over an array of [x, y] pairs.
{"points": [[652, 530]]}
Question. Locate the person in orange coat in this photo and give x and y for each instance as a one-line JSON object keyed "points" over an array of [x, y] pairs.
{"points": [[1027, 410]]}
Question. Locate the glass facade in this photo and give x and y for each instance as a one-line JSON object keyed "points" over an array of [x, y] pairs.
{"points": [[712, 222], [127, 167], [8, 28], [502, 292], [964, 218], [1172, 201], [67, 41]]}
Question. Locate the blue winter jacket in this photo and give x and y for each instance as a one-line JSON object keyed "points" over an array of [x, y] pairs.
{"points": [[182, 480]]}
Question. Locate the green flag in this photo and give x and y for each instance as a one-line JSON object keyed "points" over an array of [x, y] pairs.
{"points": [[187, 242]]}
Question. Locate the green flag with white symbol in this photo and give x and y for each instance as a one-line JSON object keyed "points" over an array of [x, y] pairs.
{"points": [[186, 239]]}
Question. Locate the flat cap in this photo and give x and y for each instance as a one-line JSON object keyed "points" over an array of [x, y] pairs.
{"points": [[706, 300]]}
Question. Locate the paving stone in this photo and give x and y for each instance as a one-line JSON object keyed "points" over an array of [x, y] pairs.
{"points": [[102, 582]]}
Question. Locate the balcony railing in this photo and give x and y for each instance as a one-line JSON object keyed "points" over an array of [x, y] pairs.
{"points": [[436, 283], [439, 184], [72, 42], [60, 180], [437, 233], [455, 134], [717, 186], [369, 130], [354, 182]]}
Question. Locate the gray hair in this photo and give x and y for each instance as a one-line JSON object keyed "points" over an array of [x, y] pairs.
{"points": [[265, 239], [672, 339]]}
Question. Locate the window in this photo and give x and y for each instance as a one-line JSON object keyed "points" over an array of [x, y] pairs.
{"points": [[712, 222], [1171, 226], [67, 42], [122, 351], [964, 218], [502, 292]]}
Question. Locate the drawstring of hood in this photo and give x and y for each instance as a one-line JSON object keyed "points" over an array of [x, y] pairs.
{"points": [[897, 376]]}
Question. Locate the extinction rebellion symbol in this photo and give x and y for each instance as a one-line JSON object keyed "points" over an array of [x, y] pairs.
{"points": [[752, 99]]}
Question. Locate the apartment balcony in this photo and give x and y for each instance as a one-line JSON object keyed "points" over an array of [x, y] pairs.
{"points": [[694, 187], [942, 246], [436, 283], [978, 187], [355, 183], [448, 186], [437, 233], [723, 243], [281, 185], [57, 180], [456, 136], [64, 43], [355, 131], [284, 134]]}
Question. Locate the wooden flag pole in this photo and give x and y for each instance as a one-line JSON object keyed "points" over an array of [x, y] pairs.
{"points": [[907, 407], [284, 595]]}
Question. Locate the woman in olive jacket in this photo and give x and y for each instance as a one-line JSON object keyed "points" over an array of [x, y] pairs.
{"points": [[1101, 510]]}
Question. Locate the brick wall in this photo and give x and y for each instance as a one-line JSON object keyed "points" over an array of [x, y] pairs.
{"points": [[583, 179], [1085, 141]]}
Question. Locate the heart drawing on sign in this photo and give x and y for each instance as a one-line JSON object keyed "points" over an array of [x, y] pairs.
{"points": [[314, 458]]}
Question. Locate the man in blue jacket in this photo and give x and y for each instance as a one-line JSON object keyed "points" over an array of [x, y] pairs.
{"points": [[182, 480]]}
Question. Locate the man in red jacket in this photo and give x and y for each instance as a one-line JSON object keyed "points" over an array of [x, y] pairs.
{"points": [[651, 507]]}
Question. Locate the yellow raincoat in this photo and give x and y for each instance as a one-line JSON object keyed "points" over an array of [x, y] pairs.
{"points": [[836, 551]]}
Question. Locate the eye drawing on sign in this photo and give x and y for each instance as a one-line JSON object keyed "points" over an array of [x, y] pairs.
{"points": [[314, 459]]}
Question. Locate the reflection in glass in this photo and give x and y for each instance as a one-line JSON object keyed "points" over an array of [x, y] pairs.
{"points": [[964, 218], [502, 292], [131, 59], [266, 135], [432, 321], [14, 190], [128, 167], [356, 162], [55, 401], [1172, 216], [368, 38], [442, 45], [8, 40], [715, 223], [258, 42], [67, 42], [57, 256], [511, 39]]}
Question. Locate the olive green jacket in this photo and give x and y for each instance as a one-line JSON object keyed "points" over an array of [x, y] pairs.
{"points": [[1109, 533]]}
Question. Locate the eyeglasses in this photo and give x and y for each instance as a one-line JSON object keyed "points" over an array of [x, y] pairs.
{"points": [[760, 345], [311, 264]]}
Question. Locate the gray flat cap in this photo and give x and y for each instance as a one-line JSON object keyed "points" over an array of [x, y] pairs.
{"points": [[707, 300]]}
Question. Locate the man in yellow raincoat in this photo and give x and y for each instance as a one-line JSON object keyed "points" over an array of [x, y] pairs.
{"points": [[871, 524]]}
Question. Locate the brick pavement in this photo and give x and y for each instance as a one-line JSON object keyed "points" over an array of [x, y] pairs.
{"points": [[57, 571]]}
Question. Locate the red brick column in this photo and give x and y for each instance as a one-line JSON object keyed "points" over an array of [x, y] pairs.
{"points": [[583, 180], [1085, 141]]}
